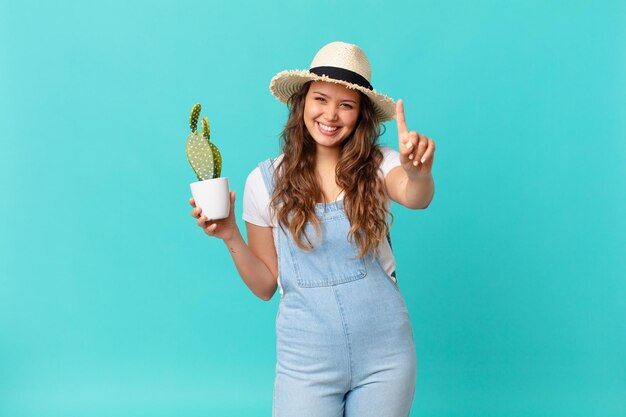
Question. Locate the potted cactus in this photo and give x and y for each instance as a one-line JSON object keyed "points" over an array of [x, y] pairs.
{"points": [[211, 192]]}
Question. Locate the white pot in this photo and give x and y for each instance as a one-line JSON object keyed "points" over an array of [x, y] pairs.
{"points": [[213, 197]]}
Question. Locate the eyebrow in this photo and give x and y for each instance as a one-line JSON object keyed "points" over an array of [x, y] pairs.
{"points": [[346, 99]]}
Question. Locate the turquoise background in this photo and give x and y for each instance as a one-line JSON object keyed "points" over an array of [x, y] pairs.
{"points": [[114, 303]]}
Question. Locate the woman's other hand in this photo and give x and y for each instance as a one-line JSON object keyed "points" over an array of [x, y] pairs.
{"points": [[224, 229], [417, 151]]}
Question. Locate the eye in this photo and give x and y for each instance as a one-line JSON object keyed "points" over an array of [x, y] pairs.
{"points": [[348, 106], [320, 98]]}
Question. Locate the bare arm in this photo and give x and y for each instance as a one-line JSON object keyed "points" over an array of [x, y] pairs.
{"points": [[411, 192], [256, 262], [412, 183]]}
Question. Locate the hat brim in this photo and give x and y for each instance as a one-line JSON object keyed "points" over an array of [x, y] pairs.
{"points": [[286, 83]]}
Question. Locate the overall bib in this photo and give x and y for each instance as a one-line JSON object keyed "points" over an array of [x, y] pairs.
{"points": [[344, 337]]}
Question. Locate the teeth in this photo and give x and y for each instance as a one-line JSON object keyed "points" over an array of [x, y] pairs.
{"points": [[328, 128]]}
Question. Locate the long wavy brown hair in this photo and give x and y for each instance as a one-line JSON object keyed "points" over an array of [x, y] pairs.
{"points": [[297, 190]]}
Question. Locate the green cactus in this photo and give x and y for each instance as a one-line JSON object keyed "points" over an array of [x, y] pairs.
{"points": [[203, 155], [217, 156]]}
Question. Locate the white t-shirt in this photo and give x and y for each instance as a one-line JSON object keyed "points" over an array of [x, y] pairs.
{"points": [[256, 206]]}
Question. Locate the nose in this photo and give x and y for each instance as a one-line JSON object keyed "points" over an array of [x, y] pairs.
{"points": [[330, 114]]}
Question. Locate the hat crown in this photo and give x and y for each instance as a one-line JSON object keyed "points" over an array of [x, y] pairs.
{"points": [[343, 55]]}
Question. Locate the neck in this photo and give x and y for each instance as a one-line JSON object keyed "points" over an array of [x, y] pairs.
{"points": [[326, 160], [326, 156]]}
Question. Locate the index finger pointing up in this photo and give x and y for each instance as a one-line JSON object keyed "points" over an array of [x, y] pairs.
{"points": [[400, 117]]}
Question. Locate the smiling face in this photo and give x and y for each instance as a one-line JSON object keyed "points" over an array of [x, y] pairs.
{"points": [[331, 112]]}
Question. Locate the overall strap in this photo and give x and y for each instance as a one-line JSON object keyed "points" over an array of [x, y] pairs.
{"points": [[267, 170], [393, 274]]}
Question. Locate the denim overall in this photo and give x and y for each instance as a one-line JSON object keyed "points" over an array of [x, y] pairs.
{"points": [[344, 337]]}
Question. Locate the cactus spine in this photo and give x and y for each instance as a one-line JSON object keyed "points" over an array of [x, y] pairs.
{"points": [[203, 155]]}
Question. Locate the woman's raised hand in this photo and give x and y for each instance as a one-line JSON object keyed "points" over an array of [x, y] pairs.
{"points": [[417, 151], [223, 228]]}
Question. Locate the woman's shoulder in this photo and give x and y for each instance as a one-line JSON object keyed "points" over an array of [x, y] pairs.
{"points": [[387, 150], [272, 160], [391, 159], [255, 177], [256, 171]]}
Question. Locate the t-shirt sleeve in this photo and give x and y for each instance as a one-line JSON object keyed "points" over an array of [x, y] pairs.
{"points": [[391, 159], [256, 200]]}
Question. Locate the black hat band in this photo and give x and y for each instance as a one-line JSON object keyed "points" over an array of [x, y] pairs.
{"points": [[343, 75]]}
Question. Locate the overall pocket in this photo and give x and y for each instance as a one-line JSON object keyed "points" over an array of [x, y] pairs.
{"points": [[333, 260]]}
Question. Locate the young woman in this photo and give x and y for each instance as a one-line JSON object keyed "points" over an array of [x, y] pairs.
{"points": [[316, 218]]}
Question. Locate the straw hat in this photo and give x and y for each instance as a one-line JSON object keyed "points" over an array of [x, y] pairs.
{"points": [[340, 63]]}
